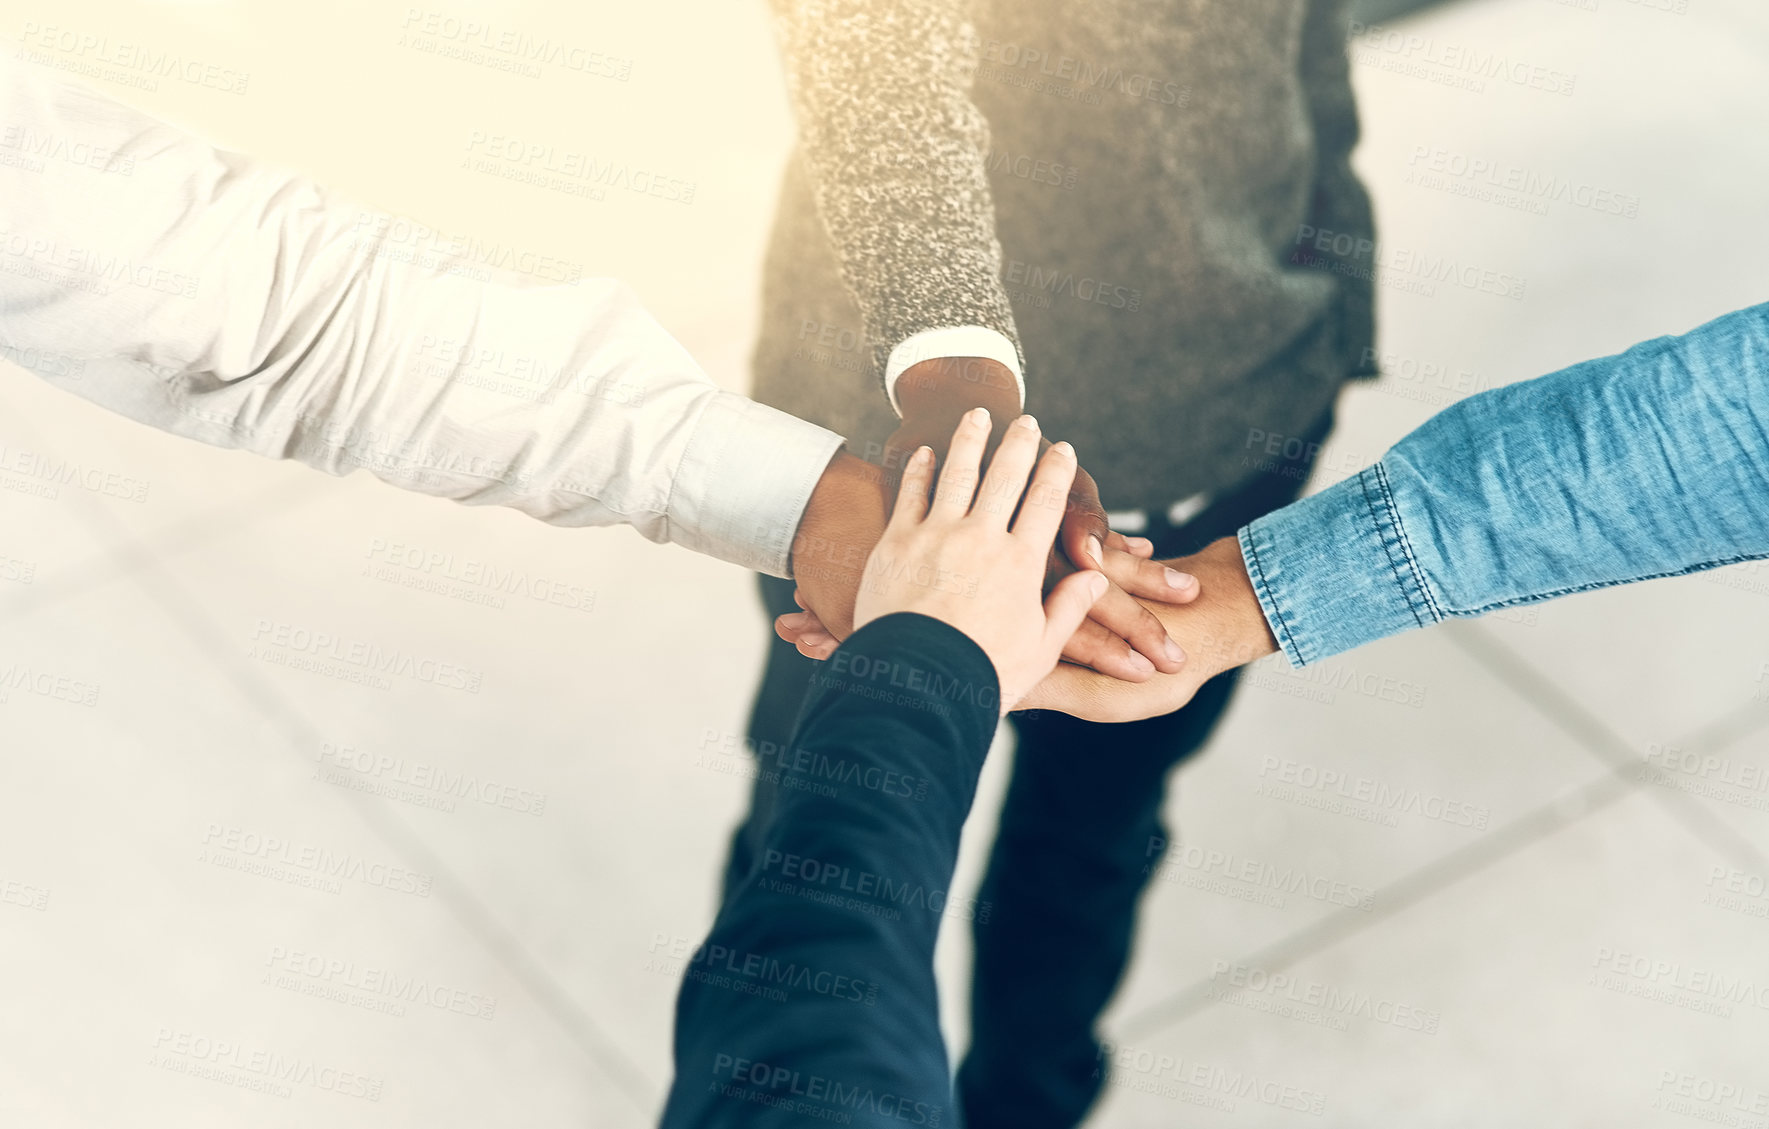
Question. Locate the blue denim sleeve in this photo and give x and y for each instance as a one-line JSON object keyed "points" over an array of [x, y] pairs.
{"points": [[1647, 464]]}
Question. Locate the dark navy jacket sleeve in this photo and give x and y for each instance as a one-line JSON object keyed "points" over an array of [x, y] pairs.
{"points": [[813, 1001]]}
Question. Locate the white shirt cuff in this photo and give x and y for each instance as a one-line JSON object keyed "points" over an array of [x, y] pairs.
{"points": [[744, 481], [952, 341]]}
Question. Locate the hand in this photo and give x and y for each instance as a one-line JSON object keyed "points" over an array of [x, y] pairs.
{"points": [[843, 521], [1127, 558], [1223, 630], [1121, 638], [961, 564]]}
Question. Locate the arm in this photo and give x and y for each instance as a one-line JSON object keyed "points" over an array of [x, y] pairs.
{"points": [[896, 152], [219, 299], [1647, 464], [820, 966], [1651, 463], [895, 149], [848, 888]]}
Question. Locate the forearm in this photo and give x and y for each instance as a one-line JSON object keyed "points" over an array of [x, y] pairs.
{"points": [[211, 296], [895, 150], [840, 914], [842, 522], [1651, 463]]}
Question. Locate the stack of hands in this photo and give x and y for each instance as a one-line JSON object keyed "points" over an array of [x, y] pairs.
{"points": [[1074, 617]]}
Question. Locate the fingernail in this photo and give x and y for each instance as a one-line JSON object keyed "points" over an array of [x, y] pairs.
{"points": [[1064, 449], [1174, 653], [1177, 579], [1097, 584], [978, 417], [1140, 543], [923, 455], [1028, 422], [1140, 663], [1094, 551], [813, 640]]}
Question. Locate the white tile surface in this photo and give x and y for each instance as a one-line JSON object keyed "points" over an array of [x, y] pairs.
{"points": [[608, 708], [1510, 978]]}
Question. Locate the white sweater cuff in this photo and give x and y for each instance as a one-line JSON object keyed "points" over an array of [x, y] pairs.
{"points": [[952, 341]]}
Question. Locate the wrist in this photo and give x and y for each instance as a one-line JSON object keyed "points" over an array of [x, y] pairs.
{"points": [[1243, 634], [849, 503], [843, 520], [943, 388]]}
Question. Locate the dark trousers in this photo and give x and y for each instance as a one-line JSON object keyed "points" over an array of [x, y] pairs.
{"points": [[1080, 834]]}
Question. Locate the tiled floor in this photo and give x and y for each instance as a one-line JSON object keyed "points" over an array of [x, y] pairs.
{"points": [[1523, 927]]}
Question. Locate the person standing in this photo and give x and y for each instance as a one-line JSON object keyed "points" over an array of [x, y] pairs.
{"points": [[1139, 221]]}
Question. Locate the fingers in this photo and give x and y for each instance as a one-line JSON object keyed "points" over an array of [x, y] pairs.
{"points": [[1151, 580], [958, 478], [1139, 547], [795, 624], [1008, 469], [1094, 646], [911, 507], [1047, 498], [1068, 689], [1066, 608], [802, 628], [805, 632], [1119, 613], [1090, 696], [819, 650], [1084, 527]]}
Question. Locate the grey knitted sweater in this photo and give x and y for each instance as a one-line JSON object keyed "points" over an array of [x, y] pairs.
{"points": [[1132, 190]]}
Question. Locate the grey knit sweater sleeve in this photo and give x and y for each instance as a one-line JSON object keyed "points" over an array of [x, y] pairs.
{"points": [[1341, 204], [895, 151]]}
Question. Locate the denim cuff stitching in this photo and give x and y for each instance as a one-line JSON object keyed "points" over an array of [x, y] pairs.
{"points": [[1262, 590], [1390, 546], [1406, 546]]}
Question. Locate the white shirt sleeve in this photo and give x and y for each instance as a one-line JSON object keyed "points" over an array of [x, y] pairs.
{"points": [[952, 341], [219, 299]]}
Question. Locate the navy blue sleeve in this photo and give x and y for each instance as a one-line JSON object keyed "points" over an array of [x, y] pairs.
{"points": [[813, 1002]]}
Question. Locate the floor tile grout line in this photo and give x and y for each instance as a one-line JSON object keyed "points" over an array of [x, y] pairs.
{"points": [[122, 560], [1402, 894], [1499, 660], [1723, 731], [164, 588], [480, 922], [1554, 703], [1416, 886]]}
